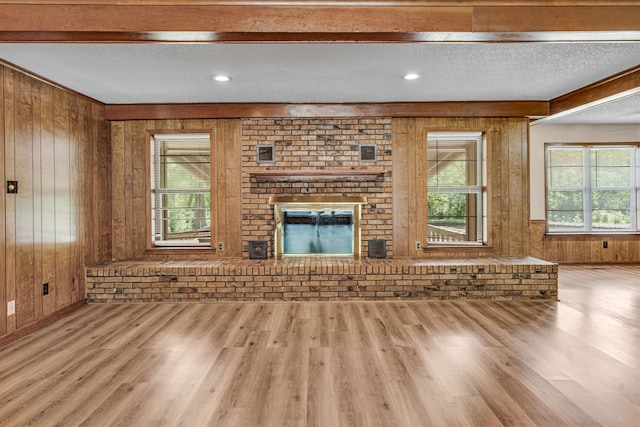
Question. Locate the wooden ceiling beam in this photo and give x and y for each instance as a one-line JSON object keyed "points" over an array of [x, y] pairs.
{"points": [[300, 21], [397, 109], [350, 3], [232, 19], [549, 19], [614, 87]]}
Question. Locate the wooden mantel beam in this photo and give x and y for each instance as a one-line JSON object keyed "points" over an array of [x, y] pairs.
{"points": [[323, 21]]}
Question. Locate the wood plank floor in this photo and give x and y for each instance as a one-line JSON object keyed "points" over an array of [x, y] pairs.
{"points": [[478, 363]]}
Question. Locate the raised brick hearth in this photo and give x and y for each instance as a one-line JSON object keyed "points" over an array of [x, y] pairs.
{"points": [[317, 278]]}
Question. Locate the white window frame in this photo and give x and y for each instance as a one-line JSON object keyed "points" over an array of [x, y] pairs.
{"points": [[157, 191], [587, 189], [479, 189]]}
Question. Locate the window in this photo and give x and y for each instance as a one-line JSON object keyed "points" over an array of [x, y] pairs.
{"points": [[456, 191], [592, 188], [180, 190]]}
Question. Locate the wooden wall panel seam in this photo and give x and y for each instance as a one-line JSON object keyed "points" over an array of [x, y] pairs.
{"points": [[421, 191], [515, 193], [81, 147], [75, 178], [104, 174], [400, 181], [62, 203], [524, 178], [233, 188], [139, 175], [218, 170], [127, 184], [47, 162], [117, 189], [3, 284], [24, 203], [37, 201], [10, 203]]}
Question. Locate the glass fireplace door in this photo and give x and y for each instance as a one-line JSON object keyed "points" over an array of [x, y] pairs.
{"points": [[317, 225], [307, 232]]}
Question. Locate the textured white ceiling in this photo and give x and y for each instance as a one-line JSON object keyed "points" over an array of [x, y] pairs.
{"points": [[316, 73]]}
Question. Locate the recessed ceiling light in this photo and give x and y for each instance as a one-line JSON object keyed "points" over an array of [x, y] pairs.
{"points": [[411, 76], [221, 78]]}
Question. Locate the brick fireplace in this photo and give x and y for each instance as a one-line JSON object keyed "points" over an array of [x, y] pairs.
{"points": [[316, 157]]}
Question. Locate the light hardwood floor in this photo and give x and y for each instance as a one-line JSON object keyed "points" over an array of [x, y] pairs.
{"points": [[570, 363]]}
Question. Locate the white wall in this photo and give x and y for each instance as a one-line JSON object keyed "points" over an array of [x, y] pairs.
{"points": [[544, 133]]}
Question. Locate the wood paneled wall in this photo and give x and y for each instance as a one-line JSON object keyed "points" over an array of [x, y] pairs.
{"points": [[130, 142], [507, 141], [508, 185], [55, 144], [583, 248]]}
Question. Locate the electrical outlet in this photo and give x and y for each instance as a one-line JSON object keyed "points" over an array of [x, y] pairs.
{"points": [[605, 244], [12, 187], [221, 246], [11, 308], [418, 245], [45, 289]]}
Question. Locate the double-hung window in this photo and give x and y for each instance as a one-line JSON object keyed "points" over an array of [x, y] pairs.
{"points": [[180, 190], [456, 189], [592, 188]]}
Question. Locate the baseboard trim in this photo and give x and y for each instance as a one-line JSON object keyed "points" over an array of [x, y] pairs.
{"points": [[39, 324]]}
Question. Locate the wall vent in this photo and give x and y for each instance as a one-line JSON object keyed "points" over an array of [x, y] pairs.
{"points": [[258, 249], [377, 248]]}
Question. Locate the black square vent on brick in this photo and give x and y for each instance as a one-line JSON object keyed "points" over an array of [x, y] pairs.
{"points": [[258, 249], [377, 248]]}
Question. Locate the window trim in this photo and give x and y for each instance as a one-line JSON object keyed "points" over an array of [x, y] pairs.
{"points": [[150, 141], [634, 190], [485, 197]]}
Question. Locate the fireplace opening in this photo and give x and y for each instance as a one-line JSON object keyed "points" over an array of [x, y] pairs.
{"points": [[308, 232], [317, 225]]}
